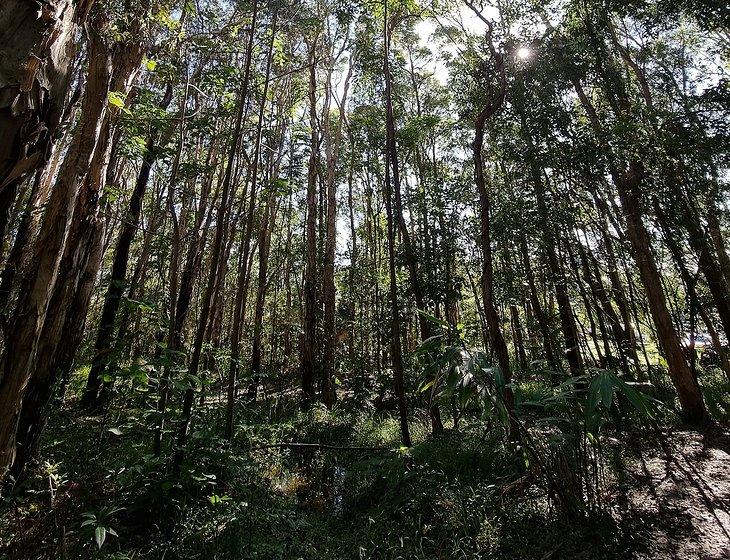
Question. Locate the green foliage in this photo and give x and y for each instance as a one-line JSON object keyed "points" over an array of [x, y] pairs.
{"points": [[460, 375], [97, 523]]}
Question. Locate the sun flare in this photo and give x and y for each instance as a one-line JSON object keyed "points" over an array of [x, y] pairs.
{"points": [[524, 53]]}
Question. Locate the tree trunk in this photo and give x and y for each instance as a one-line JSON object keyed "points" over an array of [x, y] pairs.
{"points": [[38, 41], [627, 183], [65, 322], [264, 237], [309, 342], [688, 390], [103, 345], [332, 150], [38, 283], [537, 309], [217, 250], [391, 179], [238, 304]]}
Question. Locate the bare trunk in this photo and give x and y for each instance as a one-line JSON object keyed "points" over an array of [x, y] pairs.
{"points": [[309, 342], [537, 309], [688, 390], [391, 180], [238, 304], [39, 45], [333, 141], [627, 184], [64, 323], [113, 298], [38, 284]]}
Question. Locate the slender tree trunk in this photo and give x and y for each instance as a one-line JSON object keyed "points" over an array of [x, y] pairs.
{"points": [[264, 247], [410, 255], [603, 304], [537, 309], [706, 259], [557, 274], [619, 294], [181, 284], [688, 390], [690, 286], [627, 183], [217, 249], [391, 179], [264, 237], [103, 345], [496, 338], [715, 232], [309, 343], [332, 150], [238, 304], [593, 314]]}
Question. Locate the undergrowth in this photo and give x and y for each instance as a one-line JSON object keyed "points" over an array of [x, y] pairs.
{"points": [[467, 493]]}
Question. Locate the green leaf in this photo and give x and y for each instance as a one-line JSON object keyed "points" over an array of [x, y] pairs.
{"points": [[100, 536], [429, 345], [115, 431], [432, 318], [641, 402], [607, 386], [592, 439], [499, 380], [116, 99], [601, 391], [427, 386], [215, 499]]}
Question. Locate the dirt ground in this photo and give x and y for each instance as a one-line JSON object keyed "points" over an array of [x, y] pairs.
{"points": [[677, 496]]}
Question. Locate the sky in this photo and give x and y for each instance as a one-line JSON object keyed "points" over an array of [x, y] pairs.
{"points": [[426, 27]]}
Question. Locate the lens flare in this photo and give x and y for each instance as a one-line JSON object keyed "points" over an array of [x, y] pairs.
{"points": [[523, 53]]}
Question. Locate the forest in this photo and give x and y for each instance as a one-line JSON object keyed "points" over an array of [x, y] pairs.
{"points": [[365, 279]]}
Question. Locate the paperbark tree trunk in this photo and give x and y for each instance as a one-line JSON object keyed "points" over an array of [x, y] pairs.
{"points": [[38, 41], [39, 281]]}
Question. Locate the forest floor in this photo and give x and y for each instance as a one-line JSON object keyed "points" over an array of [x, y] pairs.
{"points": [[667, 493], [678, 496]]}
